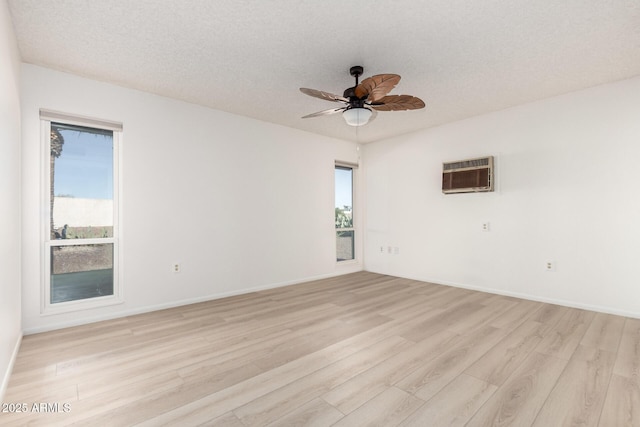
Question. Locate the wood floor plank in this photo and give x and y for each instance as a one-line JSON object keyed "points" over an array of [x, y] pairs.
{"points": [[519, 399], [562, 339], [407, 307], [96, 378], [268, 408], [226, 420], [578, 397], [45, 393], [316, 413], [309, 343], [549, 314], [71, 347], [104, 379], [483, 317], [454, 405], [94, 411], [441, 320], [388, 409], [504, 358], [214, 405], [361, 348], [622, 404], [434, 375], [517, 314], [604, 332], [139, 362], [628, 359], [357, 391]]}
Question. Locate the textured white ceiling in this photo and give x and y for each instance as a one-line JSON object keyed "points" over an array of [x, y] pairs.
{"points": [[249, 57]]}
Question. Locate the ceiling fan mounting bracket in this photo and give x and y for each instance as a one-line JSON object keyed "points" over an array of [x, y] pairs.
{"points": [[356, 71]]}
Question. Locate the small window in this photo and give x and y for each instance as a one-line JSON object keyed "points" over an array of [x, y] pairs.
{"points": [[81, 238], [345, 231]]}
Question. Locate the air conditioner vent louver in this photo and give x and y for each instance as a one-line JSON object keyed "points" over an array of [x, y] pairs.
{"points": [[468, 176], [463, 164]]}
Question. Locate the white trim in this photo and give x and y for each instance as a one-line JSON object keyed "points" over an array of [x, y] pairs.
{"points": [[74, 242], [54, 326], [147, 309], [355, 210], [118, 194], [525, 296], [46, 307], [74, 119], [347, 263], [7, 375], [45, 132], [342, 164], [82, 304]]}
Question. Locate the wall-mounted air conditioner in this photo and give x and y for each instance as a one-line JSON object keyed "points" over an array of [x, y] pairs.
{"points": [[468, 176]]}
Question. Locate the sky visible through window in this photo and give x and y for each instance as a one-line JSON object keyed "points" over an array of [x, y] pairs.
{"points": [[344, 181], [85, 167]]}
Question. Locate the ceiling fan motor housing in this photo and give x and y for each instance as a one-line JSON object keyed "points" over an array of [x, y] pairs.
{"points": [[354, 101]]}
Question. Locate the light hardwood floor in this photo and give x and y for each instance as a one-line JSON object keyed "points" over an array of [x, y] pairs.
{"points": [[360, 349]]}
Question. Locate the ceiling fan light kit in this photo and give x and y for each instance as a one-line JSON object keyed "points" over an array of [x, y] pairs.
{"points": [[364, 100], [357, 116]]}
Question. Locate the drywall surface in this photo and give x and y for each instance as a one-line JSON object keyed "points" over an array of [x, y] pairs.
{"points": [[566, 193], [10, 317], [240, 204]]}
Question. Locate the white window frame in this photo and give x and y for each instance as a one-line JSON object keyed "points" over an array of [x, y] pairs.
{"points": [[46, 118], [354, 214]]}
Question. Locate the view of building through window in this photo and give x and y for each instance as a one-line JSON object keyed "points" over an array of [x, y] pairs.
{"points": [[81, 213], [345, 233]]}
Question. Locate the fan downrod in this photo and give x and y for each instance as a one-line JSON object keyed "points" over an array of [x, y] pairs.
{"points": [[355, 71]]}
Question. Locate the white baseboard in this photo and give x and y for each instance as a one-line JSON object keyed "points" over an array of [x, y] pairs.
{"points": [[7, 374], [346, 270], [532, 297], [86, 320]]}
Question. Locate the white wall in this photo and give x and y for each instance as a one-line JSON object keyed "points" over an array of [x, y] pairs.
{"points": [[10, 324], [567, 191], [241, 204]]}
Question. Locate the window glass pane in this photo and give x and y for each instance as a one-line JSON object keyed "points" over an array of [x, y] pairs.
{"points": [[344, 197], [81, 272], [345, 241], [81, 165], [345, 245]]}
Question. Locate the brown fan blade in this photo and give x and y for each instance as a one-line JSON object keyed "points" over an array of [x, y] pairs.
{"points": [[325, 112], [376, 87], [398, 103], [323, 95]]}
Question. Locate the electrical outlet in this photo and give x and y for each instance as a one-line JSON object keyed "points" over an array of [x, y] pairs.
{"points": [[176, 268], [485, 226], [550, 266]]}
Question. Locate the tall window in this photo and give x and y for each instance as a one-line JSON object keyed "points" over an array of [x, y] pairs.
{"points": [[345, 232], [81, 225]]}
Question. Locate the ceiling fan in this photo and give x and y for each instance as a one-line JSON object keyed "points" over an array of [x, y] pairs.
{"points": [[362, 101]]}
